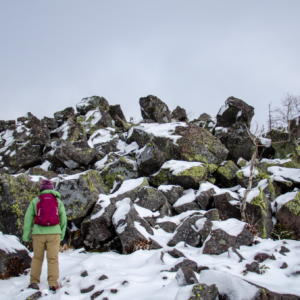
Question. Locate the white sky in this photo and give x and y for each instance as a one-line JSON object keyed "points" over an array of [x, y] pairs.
{"points": [[194, 54]]}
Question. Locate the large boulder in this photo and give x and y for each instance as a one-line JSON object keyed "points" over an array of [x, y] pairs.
{"points": [[124, 167], [95, 119], [91, 103], [226, 173], [153, 108], [226, 234], [131, 228], [105, 140], [153, 199], [187, 232], [51, 123], [66, 155], [14, 257], [62, 116], [235, 110], [97, 230], [16, 193], [186, 202], [197, 144], [149, 159], [237, 140], [179, 114], [80, 192], [227, 206], [287, 208], [285, 146], [116, 113], [171, 192], [70, 131], [20, 156], [258, 212], [183, 173]]}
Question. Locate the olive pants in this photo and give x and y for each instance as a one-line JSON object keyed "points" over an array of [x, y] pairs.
{"points": [[42, 242]]}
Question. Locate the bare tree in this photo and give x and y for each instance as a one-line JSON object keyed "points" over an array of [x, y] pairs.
{"points": [[287, 111], [272, 120], [256, 140]]}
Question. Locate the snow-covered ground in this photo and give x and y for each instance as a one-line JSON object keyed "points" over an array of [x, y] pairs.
{"points": [[142, 275]]}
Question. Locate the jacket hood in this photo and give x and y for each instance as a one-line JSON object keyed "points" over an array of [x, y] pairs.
{"points": [[54, 193]]}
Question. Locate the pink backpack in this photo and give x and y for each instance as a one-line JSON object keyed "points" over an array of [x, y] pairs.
{"points": [[47, 211]]}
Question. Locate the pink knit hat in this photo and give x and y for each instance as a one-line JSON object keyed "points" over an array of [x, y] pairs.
{"points": [[46, 185]]}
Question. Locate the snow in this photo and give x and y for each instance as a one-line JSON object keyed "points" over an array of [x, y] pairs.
{"points": [[276, 161], [266, 142], [144, 212], [8, 136], [92, 117], [178, 166], [178, 218], [64, 128], [222, 110], [282, 200], [283, 174], [232, 226], [207, 185], [165, 130], [101, 136], [125, 148], [252, 194], [246, 171], [231, 285], [199, 224], [188, 196], [123, 208], [223, 129], [104, 200], [45, 165], [144, 271], [13, 153], [166, 187], [239, 114], [10, 243]]}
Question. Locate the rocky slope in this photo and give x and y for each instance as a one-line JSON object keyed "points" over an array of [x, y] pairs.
{"points": [[154, 184]]}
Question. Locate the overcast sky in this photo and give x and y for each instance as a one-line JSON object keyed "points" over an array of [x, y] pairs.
{"points": [[194, 54]]}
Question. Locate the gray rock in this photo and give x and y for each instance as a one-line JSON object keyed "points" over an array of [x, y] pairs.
{"points": [[179, 114], [151, 198], [186, 232], [116, 113], [70, 131], [91, 103], [219, 241], [171, 192], [79, 194], [124, 167], [203, 291], [13, 264], [153, 108], [186, 276], [124, 220], [227, 206], [235, 110], [150, 159], [237, 141], [62, 116], [15, 196]]}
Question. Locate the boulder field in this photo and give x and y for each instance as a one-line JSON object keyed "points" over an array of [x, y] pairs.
{"points": [[152, 185]]}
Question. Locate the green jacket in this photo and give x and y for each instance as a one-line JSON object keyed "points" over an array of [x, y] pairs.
{"points": [[38, 229]]}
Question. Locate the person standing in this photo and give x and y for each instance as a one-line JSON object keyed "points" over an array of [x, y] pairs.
{"points": [[48, 214]]}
